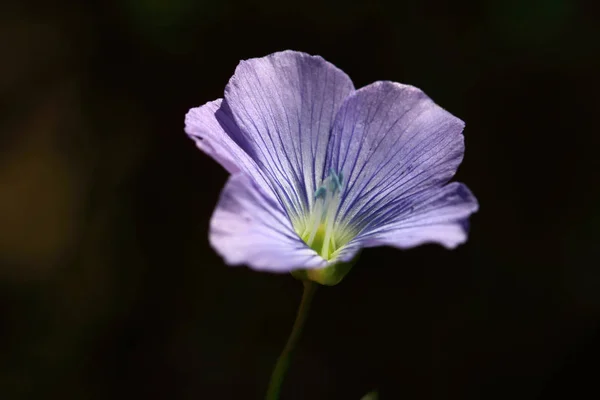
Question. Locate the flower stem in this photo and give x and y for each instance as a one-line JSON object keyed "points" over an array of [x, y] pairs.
{"points": [[283, 362]]}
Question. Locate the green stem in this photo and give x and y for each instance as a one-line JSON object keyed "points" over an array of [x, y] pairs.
{"points": [[283, 362]]}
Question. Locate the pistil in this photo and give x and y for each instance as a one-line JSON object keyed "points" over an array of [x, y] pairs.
{"points": [[319, 229]]}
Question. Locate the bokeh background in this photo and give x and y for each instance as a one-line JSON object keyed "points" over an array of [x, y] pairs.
{"points": [[109, 289]]}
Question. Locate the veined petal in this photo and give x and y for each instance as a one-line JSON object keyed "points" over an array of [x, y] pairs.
{"points": [[250, 227], [391, 141], [285, 104], [215, 132], [436, 215]]}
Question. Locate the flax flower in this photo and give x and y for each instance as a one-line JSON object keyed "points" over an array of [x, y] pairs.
{"points": [[320, 169]]}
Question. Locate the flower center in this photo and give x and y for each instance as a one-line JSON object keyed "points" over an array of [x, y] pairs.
{"points": [[318, 231]]}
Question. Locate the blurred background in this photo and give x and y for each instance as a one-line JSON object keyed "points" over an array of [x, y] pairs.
{"points": [[109, 289]]}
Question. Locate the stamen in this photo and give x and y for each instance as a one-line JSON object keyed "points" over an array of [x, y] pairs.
{"points": [[319, 231]]}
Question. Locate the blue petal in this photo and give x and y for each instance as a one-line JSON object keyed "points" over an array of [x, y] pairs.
{"points": [[285, 105], [249, 227], [436, 215], [215, 132], [391, 141], [213, 129]]}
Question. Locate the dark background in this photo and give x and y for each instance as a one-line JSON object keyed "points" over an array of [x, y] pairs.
{"points": [[109, 289]]}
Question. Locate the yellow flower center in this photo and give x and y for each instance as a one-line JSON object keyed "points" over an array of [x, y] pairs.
{"points": [[320, 230]]}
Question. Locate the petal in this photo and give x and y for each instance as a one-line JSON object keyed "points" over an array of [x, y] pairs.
{"points": [[285, 105], [390, 141], [215, 132], [213, 129], [436, 215], [250, 227]]}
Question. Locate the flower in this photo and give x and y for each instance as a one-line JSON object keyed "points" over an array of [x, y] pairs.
{"points": [[320, 170]]}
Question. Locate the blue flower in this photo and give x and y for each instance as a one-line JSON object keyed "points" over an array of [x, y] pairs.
{"points": [[320, 170]]}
